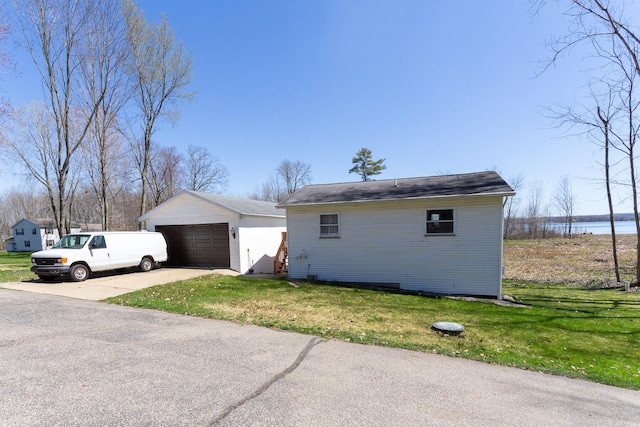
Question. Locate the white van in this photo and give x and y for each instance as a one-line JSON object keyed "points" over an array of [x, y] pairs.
{"points": [[80, 254]]}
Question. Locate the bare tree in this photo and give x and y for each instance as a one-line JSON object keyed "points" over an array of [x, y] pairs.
{"points": [[294, 175], [55, 34], [204, 172], [512, 205], [268, 191], [534, 210], [36, 147], [5, 62], [564, 201], [104, 67], [606, 29], [165, 174], [605, 120], [595, 121], [162, 72], [289, 177]]}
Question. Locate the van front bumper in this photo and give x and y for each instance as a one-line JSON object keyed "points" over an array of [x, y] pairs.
{"points": [[48, 270]]}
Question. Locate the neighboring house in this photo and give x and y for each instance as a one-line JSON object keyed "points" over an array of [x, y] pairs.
{"points": [[212, 230], [440, 235], [34, 235]]}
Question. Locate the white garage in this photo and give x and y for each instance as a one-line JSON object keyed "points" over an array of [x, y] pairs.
{"points": [[217, 231]]}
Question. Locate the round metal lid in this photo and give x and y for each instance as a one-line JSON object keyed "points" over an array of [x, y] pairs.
{"points": [[448, 327]]}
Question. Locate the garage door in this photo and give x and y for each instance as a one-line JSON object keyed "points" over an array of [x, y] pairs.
{"points": [[197, 245]]}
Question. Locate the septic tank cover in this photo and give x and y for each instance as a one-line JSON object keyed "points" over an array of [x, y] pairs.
{"points": [[450, 328]]}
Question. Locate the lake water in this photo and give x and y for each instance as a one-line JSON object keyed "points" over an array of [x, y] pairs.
{"points": [[604, 227]]}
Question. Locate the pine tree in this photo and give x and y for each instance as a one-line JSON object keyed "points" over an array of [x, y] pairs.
{"points": [[365, 166]]}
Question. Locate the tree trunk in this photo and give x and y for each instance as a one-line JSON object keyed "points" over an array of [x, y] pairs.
{"points": [[607, 145]]}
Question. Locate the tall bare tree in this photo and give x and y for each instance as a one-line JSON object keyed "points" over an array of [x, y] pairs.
{"points": [[35, 146], [55, 34], [104, 67], [204, 171], [606, 28], [5, 62], [595, 121], [604, 118], [162, 72]]}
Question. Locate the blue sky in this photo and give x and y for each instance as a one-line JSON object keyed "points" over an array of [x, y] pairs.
{"points": [[432, 87]]}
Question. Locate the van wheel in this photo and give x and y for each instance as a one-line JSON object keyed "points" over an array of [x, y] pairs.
{"points": [[79, 272], [146, 264]]}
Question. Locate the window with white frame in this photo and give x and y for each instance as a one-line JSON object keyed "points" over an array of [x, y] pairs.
{"points": [[329, 226], [440, 221]]}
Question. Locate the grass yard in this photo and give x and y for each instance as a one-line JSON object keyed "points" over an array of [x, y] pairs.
{"points": [[14, 267]]}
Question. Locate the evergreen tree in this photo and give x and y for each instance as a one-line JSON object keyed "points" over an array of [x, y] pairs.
{"points": [[365, 166]]}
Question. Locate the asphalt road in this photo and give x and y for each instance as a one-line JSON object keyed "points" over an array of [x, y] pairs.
{"points": [[66, 361]]}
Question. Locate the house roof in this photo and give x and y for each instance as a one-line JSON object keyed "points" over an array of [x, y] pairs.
{"points": [[469, 184], [237, 205], [42, 222]]}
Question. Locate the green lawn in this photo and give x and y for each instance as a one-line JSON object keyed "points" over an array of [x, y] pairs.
{"points": [[591, 334], [14, 267]]}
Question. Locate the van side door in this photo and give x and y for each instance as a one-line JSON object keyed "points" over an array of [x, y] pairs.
{"points": [[99, 258]]}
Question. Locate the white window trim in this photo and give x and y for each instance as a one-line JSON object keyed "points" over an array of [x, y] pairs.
{"points": [[329, 236], [454, 221]]}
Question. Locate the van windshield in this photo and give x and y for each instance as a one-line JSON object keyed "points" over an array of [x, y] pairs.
{"points": [[72, 241]]}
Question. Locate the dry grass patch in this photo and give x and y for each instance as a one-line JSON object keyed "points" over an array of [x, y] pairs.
{"points": [[582, 260]]}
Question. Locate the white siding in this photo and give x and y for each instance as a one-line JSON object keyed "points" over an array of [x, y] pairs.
{"points": [[259, 246], [385, 242], [187, 210]]}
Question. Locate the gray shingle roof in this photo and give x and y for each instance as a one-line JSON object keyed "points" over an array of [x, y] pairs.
{"points": [[469, 184], [240, 205], [237, 205]]}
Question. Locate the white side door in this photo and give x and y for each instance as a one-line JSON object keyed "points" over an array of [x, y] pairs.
{"points": [[99, 257]]}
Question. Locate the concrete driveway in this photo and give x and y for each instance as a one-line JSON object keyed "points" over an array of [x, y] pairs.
{"points": [[111, 284], [73, 362]]}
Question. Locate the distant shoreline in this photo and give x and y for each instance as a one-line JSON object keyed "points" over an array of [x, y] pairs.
{"points": [[622, 217]]}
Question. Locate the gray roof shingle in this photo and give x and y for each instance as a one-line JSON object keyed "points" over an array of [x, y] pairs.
{"points": [[469, 184], [239, 205]]}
